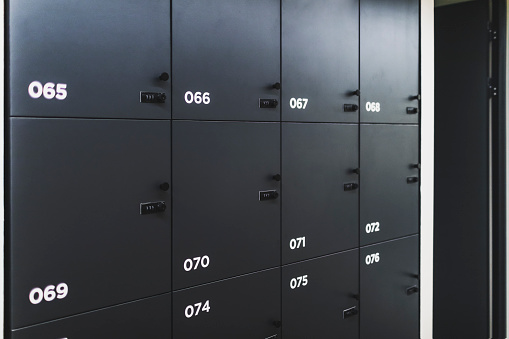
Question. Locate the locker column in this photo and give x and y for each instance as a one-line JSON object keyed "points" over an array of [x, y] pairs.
{"points": [[226, 144], [90, 150], [389, 164], [320, 166]]}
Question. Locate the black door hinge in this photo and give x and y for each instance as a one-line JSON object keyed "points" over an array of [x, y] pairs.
{"points": [[492, 32], [492, 88]]}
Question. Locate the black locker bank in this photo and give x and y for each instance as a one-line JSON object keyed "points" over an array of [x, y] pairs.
{"points": [[195, 169]]}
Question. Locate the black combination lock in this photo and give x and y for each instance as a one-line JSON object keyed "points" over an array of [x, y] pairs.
{"points": [[268, 103], [412, 180], [351, 186], [268, 195], [412, 110], [152, 207], [351, 108], [412, 290], [152, 98], [350, 312]]}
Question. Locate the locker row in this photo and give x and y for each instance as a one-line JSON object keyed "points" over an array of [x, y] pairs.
{"points": [[268, 60], [369, 293], [120, 215]]}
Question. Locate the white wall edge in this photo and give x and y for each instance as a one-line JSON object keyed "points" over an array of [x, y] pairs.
{"points": [[427, 164]]}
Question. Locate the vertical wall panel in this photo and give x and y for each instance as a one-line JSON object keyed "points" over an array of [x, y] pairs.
{"points": [[389, 182], [320, 49], [229, 49], [150, 318], [389, 62], [320, 297], [220, 168], [389, 287], [320, 189], [77, 186], [244, 307], [105, 52]]}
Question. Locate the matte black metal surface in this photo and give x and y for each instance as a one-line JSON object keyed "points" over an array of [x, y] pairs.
{"points": [[316, 309], [389, 193], [462, 173], [318, 160], [387, 311], [499, 144], [219, 170], [247, 307], [389, 72], [77, 186], [231, 50], [105, 51], [320, 41], [149, 318]]}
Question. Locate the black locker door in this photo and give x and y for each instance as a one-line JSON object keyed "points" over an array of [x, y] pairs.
{"points": [[226, 218], [78, 239], [149, 318], [226, 58], [321, 206], [320, 297], [389, 201], [466, 218], [389, 59], [72, 58], [389, 277], [247, 307], [320, 60]]}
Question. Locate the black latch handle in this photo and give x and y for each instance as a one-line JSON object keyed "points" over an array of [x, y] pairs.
{"points": [[164, 76]]}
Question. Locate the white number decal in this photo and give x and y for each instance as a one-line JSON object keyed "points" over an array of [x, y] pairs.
{"points": [[297, 243], [373, 227], [36, 90], [197, 98], [298, 103], [61, 92], [62, 291], [194, 310], [189, 265], [49, 293], [373, 107], [372, 258], [298, 282], [37, 294]]}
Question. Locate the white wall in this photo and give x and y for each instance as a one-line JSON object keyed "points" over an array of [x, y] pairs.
{"points": [[427, 165]]}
